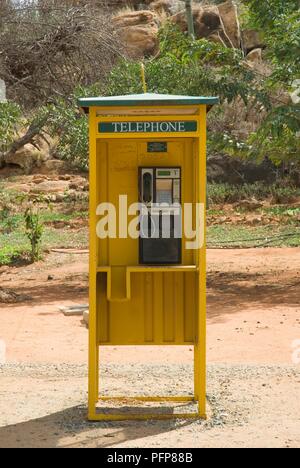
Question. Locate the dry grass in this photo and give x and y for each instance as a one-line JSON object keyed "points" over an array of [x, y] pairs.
{"points": [[125, 10]]}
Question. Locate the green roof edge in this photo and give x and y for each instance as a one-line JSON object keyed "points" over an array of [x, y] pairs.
{"points": [[130, 102]]}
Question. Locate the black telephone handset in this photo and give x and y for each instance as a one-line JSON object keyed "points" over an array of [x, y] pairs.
{"points": [[147, 188]]}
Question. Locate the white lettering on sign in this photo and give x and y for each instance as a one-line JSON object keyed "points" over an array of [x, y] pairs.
{"points": [[148, 127]]}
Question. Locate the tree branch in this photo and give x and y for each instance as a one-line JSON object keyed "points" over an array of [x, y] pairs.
{"points": [[33, 130]]}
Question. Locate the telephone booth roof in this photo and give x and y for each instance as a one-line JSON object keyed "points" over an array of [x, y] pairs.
{"points": [[146, 99]]}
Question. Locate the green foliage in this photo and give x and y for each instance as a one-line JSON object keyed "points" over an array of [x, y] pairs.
{"points": [[34, 231], [190, 67], [227, 193], [279, 20], [197, 67], [282, 211], [10, 117], [72, 129], [64, 120], [10, 253], [284, 45], [181, 46], [265, 14], [278, 137], [8, 220], [14, 245], [237, 236], [226, 142]]}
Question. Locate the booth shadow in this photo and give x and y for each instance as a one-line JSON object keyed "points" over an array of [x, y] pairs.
{"points": [[228, 293], [232, 292], [49, 293], [70, 428]]}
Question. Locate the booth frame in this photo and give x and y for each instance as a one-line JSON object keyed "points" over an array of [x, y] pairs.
{"points": [[96, 111]]}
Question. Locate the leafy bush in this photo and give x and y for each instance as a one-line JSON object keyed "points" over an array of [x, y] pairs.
{"points": [[72, 130], [63, 119], [185, 66], [227, 193], [279, 21], [190, 67], [11, 253], [34, 231], [10, 118]]}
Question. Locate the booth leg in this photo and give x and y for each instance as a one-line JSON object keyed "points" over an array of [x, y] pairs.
{"points": [[202, 384], [93, 381], [97, 373], [200, 380]]}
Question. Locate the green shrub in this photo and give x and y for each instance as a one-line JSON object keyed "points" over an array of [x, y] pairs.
{"points": [[10, 118], [227, 193], [34, 231]]}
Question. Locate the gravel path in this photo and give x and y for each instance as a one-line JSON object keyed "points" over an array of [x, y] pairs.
{"points": [[250, 406]]}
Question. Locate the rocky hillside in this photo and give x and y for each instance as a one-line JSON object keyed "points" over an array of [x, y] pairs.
{"points": [[71, 48], [218, 23]]}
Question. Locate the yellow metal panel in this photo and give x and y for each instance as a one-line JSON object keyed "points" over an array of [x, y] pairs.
{"points": [[102, 308], [93, 349], [147, 307], [128, 311], [168, 308], [143, 417], [130, 303], [145, 111], [200, 344]]}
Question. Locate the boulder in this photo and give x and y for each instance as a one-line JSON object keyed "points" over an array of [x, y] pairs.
{"points": [[219, 23], [248, 205], [141, 41], [26, 158], [206, 21], [170, 7], [53, 167], [251, 39], [134, 18], [255, 56], [20, 188], [48, 187], [38, 179], [117, 4], [254, 220], [79, 184], [139, 31], [230, 22], [218, 38], [86, 318], [32, 156]]}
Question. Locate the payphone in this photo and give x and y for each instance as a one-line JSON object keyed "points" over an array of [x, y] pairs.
{"points": [[147, 168], [160, 223]]}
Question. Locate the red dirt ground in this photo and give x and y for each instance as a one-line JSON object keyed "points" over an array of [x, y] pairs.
{"points": [[253, 310]]}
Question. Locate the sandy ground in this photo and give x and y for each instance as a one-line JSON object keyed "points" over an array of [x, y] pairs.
{"points": [[253, 321]]}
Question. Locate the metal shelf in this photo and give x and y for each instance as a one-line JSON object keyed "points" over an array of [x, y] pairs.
{"points": [[140, 269]]}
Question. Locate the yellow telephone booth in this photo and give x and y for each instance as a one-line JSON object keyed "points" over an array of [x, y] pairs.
{"points": [[147, 232]]}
